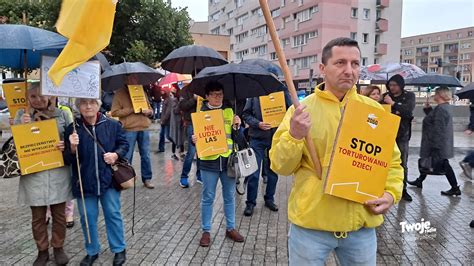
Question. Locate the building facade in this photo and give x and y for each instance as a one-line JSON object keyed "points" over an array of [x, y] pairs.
{"points": [[305, 26], [446, 52], [201, 36]]}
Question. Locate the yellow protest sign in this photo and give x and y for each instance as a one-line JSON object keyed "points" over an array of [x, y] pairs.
{"points": [[138, 97], [210, 132], [36, 146], [273, 108], [387, 107], [15, 95], [199, 102], [362, 153]]}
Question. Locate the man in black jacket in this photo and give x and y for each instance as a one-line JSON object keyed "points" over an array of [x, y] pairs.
{"points": [[403, 104]]}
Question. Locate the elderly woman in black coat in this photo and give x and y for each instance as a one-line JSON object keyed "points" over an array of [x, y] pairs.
{"points": [[437, 140]]}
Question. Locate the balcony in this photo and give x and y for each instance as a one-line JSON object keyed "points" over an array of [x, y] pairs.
{"points": [[380, 49], [381, 25], [382, 3]]}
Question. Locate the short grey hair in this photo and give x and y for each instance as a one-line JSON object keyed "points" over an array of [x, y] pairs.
{"points": [[444, 93], [78, 102]]}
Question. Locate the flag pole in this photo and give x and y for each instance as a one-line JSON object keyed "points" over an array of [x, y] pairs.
{"points": [[289, 80], [84, 210]]}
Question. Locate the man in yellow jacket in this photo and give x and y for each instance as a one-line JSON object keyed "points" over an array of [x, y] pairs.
{"points": [[321, 223]]}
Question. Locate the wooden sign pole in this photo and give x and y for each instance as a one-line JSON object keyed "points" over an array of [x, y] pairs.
{"points": [[288, 79]]}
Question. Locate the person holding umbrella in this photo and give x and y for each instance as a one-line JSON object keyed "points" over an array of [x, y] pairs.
{"points": [[47, 188], [135, 125], [403, 104], [214, 168]]}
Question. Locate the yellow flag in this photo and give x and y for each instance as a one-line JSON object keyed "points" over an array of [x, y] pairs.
{"points": [[88, 26]]}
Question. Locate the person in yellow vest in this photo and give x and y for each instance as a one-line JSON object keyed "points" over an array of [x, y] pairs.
{"points": [[321, 223], [214, 168]]}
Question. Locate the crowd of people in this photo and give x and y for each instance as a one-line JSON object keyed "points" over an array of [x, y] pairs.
{"points": [[318, 221]]}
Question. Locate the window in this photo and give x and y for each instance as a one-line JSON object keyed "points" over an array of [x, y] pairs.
{"points": [[215, 31], [466, 45], [448, 36], [285, 42], [230, 14], [434, 49], [366, 13], [273, 56], [459, 35], [464, 57], [257, 11], [240, 55], [378, 14], [230, 31], [433, 70], [302, 39], [259, 31], [377, 39], [260, 50], [239, 3], [364, 61], [282, 3], [430, 39], [241, 19], [438, 38], [469, 33], [286, 19], [420, 40], [353, 35], [376, 60], [215, 16], [275, 13], [241, 37], [408, 52], [305, 14], [409, 61], [354, 12], [365, 38], [304, 62]]}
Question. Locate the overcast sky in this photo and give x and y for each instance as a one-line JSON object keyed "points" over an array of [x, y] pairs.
{"points": [[419, 16]]}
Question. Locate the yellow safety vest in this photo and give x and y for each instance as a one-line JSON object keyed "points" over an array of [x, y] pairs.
{"points": [[228, 118]]}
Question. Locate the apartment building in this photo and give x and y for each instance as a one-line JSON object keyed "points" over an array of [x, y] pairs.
{"points": [[446, 52], [305, 26], [201, 36]]}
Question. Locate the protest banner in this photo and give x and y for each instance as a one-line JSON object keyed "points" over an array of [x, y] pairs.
{"points": [[387, 107], [199, 102], [36, 146], [138, 98], [15, 96], [362, 153], [210, 132], [273, 108], [81, 82]]}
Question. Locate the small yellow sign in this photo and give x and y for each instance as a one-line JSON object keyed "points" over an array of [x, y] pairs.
{"points": [[15, 95], [199, 102], [387, 107], [210, 132], [138, 97], [36, 146], [273, 108], [362, 153]]}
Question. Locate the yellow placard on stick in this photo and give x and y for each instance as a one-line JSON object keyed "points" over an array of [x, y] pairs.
{"points": [[199, 102], [210, 132], [138, 97], [362, 153], [387, 107], [15, 95], [273, 108], [36, 146]]}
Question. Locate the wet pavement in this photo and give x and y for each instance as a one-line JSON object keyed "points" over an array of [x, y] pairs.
{"points": [[167, 223]]}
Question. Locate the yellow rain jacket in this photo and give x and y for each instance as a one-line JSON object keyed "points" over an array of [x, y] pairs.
{"points": [[308, 206]]}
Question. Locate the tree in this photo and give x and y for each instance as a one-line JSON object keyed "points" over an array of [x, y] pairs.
{"points": [[140, 52]]}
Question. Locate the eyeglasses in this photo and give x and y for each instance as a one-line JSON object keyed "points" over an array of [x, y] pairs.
{"points": [[216, 94]]}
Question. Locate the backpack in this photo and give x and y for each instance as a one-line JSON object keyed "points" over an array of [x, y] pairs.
{"points": [[9, 166]]}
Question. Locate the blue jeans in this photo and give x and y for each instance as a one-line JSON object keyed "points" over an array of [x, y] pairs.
{"points": [[164, 133], [143, 139], [188, 160], [311, 247], [209, 184], [261, 148], [110, 202]]}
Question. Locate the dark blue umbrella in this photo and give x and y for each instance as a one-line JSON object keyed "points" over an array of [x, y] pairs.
{"points": [[115, 77], [269, 66], [20, 41], [240, 81], [467, 92]]}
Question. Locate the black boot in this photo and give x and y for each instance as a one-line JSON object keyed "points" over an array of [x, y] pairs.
{"points": [[406, 196], [60, 256], [120, 258], [42, 259], [454, 191], [248, 210], [417, 183], [89, 260]]}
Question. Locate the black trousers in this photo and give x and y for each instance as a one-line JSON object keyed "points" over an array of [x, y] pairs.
{"points": [[449, 173], [403, 146]]}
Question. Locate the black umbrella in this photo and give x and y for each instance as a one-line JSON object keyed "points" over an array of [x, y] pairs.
{"points": [[115, 77], [191, 59], [432, 80], [240, 81], [467, 92], [269, 66]]}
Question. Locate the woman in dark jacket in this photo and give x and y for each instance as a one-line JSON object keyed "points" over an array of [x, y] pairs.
{"points": [[96, 176], [437, 139]]}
